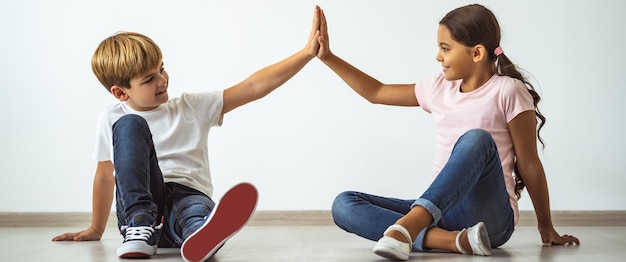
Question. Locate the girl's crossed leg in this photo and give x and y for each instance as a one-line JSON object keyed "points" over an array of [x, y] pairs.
{"points": [[468, 190]]}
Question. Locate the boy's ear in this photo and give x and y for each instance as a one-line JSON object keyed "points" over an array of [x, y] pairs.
{"points": [[479, 53], [119, 93]]}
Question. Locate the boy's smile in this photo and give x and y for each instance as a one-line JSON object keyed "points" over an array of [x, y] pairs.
{"points": [[162, 92]]}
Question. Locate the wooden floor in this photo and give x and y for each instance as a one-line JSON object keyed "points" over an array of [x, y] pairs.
{"points": [[311, 243]]}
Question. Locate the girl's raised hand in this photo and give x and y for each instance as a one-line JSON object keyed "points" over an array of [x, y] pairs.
{"points": [[324, 49]]}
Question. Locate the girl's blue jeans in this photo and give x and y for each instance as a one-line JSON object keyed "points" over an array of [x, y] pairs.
{"points": [[142, 198], [469, 189]]}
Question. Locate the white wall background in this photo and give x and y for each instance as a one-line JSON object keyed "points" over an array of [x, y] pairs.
{"points": [[313, 137]]}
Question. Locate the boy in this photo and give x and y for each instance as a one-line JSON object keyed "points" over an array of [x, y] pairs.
{"points": [[157, 148]]}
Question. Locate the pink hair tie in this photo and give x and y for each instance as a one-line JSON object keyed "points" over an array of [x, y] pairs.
{"points": [[498, 51]]}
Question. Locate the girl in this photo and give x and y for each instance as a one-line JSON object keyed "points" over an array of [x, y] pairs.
{"points": [[486, 115]]}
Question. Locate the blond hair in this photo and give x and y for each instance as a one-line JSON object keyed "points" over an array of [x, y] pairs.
{"points": [[124, 56]]}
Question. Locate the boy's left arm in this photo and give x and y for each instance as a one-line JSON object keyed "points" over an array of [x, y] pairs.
{"points": [[524, 136], [269, 78]]}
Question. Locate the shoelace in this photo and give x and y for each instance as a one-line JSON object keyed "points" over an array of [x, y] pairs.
{"points": [[139, 233]]}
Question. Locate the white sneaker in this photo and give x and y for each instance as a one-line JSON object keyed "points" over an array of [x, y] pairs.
{"points": [[478, 238], [394, 249], [135, 243]]}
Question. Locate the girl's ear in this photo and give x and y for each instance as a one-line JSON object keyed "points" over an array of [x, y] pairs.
{"points": [[119, 93], [479, 53]]}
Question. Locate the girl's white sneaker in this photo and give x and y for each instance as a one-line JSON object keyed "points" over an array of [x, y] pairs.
{"points": [[394, 249], [478, 238]]}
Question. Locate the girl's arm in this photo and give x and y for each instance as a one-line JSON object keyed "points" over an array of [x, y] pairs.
{"points": [[269, 78], [102, 198], [524, 135], [365, 85]]}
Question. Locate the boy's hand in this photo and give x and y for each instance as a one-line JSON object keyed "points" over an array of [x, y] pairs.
{"points": [[322, 38], [88, 234], [312, 45]]}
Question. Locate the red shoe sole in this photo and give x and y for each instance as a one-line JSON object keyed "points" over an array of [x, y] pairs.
{"points": [[229, 216], [135, 255]]}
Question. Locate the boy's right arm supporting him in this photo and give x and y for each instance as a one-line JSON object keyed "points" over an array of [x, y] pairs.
{"points": [[102, 198]]}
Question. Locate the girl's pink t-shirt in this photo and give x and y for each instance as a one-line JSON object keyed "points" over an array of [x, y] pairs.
{"points": [[490, 107]]}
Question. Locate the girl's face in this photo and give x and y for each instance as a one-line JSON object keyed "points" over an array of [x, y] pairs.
{"points": [[148, 91], [455, 57]]}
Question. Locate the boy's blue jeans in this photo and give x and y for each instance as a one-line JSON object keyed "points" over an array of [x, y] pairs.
{"points": [[142, 198], [469, 189]]}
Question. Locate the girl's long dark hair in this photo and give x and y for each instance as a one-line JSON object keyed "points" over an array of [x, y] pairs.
{"points": [[474, 24]]}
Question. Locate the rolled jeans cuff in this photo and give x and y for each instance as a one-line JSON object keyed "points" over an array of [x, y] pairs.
{"points": [[434, 211], [431, 208]]}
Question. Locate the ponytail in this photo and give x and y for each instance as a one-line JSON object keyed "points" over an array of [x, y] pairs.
{"points": [[505, 67]]}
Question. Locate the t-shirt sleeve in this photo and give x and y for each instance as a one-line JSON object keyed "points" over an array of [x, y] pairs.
{"points": [[424, 92], [206, 106], [102, 149], [516, 100]]}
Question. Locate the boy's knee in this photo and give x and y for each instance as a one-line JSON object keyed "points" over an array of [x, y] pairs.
{"points": [[130, 122], [130, 119]]}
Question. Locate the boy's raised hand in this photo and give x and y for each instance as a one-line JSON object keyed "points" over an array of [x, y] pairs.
{"points": [[312, 45]]}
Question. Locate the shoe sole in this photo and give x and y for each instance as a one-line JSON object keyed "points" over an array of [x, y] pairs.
{"points": [[135, 249], [230, 215], [385, 249], [391, 254], [135, 255]]}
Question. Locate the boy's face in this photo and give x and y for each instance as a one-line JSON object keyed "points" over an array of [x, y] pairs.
{"points": [[147, 91]]}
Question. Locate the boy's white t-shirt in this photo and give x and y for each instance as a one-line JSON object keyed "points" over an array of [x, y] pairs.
{"points": [[490, 107], [179, 128]]}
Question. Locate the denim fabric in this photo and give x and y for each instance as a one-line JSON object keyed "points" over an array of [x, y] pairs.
{"points": [[142, 198], [187, 210], [469, 189]]}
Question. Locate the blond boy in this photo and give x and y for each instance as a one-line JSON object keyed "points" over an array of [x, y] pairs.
{"points": [[152, 150]]}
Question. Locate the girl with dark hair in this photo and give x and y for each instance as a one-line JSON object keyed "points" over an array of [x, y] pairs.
{"points": [[487, 130]]}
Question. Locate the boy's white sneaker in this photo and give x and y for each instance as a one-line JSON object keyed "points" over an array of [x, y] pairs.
{"points": [[135, 243]]}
